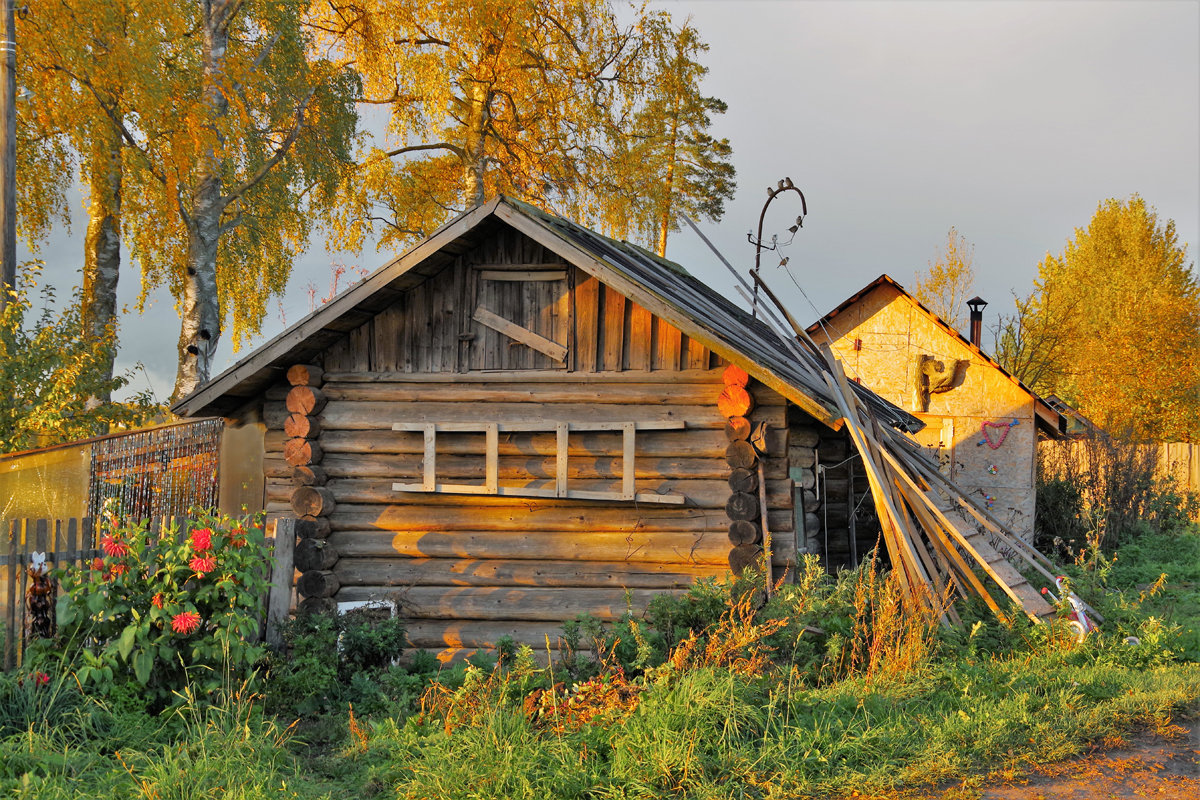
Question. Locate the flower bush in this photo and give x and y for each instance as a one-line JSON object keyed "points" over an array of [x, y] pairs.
{"points": [[177, 608]]}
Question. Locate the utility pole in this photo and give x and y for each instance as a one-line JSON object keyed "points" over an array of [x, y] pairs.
{"points": [[8, 156]]}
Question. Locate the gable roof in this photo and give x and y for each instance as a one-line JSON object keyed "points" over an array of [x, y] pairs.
{"points": [[1046, 415], [661, 286]]}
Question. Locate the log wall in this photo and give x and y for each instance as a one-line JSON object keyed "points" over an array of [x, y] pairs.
{"points": [[551, 345], [480, 561]]}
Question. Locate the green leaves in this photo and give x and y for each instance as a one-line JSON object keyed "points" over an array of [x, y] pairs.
{"points": [[148, 609]]}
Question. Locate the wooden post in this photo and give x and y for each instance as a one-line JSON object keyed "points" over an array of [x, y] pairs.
{"points": [[8, 155], [280, 596]]}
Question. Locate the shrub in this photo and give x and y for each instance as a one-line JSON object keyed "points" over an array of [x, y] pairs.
{"points": [[177, 608], [329, 662], [1103, 490]]}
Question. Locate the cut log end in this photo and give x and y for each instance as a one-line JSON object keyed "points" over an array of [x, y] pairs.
{"points": [[318, 583], [743, 556], [743, 532], [315, 554], [305, 375], [301, 452], [313, 501], [734, 401], [742, 506], [305, 400], [302, 427], [741, 455], [743, 480], [737, 429], [735, 376], [308, 475]]}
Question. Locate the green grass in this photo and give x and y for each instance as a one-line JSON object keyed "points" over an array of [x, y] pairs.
{"points": [[987, 698]]}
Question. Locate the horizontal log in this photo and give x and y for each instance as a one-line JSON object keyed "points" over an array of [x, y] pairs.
{"points": [[803, 436], [694, 443], [699, 494], [347, 415], [315, 554], [299, 452], [388, 465], [519, 572], [550, 604], [318, 583], [440, 634], [599, 392], [313, 501], [305, 375], [305, 400], [302, 427], [656, 548], [802, 457], [516, 514], [275, 415]]}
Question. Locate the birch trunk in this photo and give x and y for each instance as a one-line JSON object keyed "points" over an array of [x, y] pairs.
{"points": [[102, 245], [200, 314], [475, 150]]}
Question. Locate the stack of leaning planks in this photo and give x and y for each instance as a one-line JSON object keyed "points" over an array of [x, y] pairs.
{"points": [[932, 550], [940, 541]]}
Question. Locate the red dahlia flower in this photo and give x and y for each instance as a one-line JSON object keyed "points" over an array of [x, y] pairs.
{"points": [[201, 539], [185, 622], [113, 547], [203, 562]]}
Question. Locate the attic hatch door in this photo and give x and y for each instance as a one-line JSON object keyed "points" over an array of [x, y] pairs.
{"points": [[520, 317]]}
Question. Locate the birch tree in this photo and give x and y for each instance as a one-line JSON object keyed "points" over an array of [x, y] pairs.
{"points": [[217, 208], [540, 99], [947, 286]]}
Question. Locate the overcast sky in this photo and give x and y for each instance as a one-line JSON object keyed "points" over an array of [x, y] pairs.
{"points": [[1009, 120]]}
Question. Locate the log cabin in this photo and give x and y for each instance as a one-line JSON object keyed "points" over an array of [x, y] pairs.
{"points": [[519, 420], [982, 425]]}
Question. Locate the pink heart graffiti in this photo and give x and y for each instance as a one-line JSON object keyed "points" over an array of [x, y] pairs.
{"points": [[1005, 428]]}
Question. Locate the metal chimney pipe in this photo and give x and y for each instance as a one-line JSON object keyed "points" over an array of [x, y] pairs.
{"points": [[976, 304]]}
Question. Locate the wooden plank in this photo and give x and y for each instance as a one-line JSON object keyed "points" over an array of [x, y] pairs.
{"points": [[519, 572], [581, 465], [587, 324], [279, 597], [560, 472], [628, 455], [598, 392], [523, 275], [668, 547], [613, 338], [15, 530], [675, 491], [559, 428], [527, 491], [669, 341], [516, 377], [492, 457], [430, 458], [706, 442], [525, 336], [345, 415], [511, 603], [696, 357], [641, 340]]}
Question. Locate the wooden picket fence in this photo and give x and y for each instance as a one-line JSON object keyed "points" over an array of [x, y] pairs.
{"points": [[72, 542]]}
